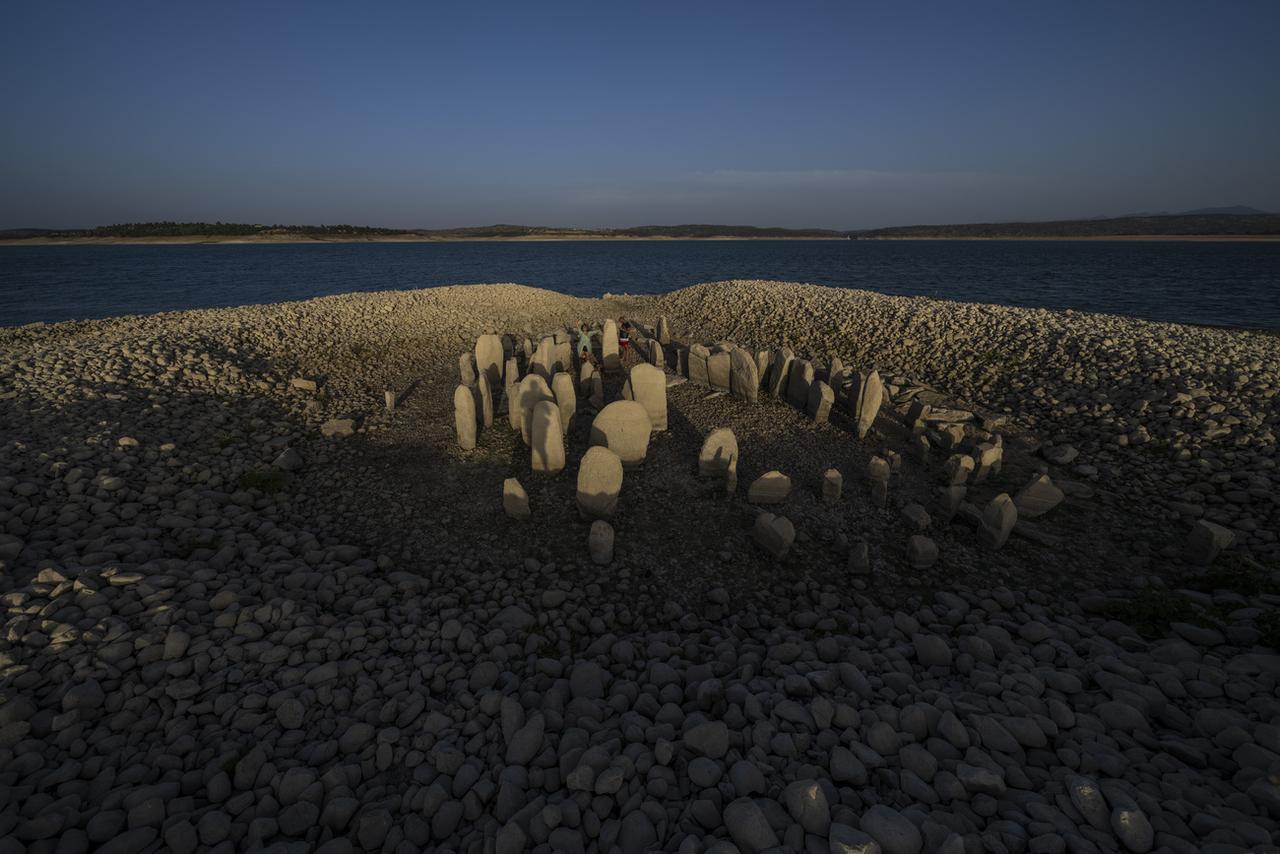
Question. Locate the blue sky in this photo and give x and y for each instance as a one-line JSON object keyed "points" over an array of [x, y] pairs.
{"points": [[837, 115]]}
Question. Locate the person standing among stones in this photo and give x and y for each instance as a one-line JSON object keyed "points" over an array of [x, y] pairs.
{"points": [[584, 344]]}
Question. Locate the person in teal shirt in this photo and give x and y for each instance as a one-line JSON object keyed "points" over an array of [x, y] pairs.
{"points": [[584, 343]]}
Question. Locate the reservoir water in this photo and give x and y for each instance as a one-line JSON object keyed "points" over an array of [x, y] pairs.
{"points": [[1219, 283]]}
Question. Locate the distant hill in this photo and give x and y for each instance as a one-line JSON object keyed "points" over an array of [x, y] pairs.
{"points": [[1233, 210], [1175, 225]]}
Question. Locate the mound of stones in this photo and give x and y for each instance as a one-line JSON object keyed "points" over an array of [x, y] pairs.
{"points": [[196, 657]]}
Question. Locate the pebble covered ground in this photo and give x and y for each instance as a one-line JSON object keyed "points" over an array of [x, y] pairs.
{"points": [[223, 629]]}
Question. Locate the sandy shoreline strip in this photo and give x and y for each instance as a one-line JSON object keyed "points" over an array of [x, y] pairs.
{"points": [[302, 239]]}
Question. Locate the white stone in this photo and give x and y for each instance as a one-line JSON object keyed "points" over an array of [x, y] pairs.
{"points": [[600, 542], [489, 358], [774, 534], [649, 389], [464, 417], [515, 501], [623, 427], [599, 482], [772, 487], [566, 400], [546, 438]]}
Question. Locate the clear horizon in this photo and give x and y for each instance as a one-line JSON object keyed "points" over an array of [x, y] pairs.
{"points": [[580, 116]]}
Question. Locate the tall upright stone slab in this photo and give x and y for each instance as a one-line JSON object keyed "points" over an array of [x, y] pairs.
{"points": [[744, 376], [467, 369], [865, 396], [623, 427], [489, 358], [533, 389], [762, 367], [698, 356], [779, 372], [657, 354], [599, 482], [798, 383], [719, 369], [515, 501], [546, 438], [566, 400], [464, 416], [820, 400], [485, 398], [511, 381], [649, 388], [664, 331], [719, 452], [600, 542], [544, 359], [998, 519], [609, 346]]}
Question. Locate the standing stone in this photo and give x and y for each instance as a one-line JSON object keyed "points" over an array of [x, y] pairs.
{"points": [[562, 354], [956, 470], [917, 412], [389, 397], [832, 485], [774, 534], [922, 552], [489, 358], [865, 396], [511, 388], [467, 369], [464, 417], [533, 389], [744, 376], [986, 459], [719, 452], [820, 400], [484, 395], [600, 542], [546, 438], [879, 470], [720, 369], [566, 400], [859, 558], [649, 389], [609, 346], [998, 519], [599, 482], [515, 501], [798, 382], [779, 372], [950, 436], [1038, 497], [1205, 541], [543, 363], [950, 498], [772, 487], [597, 390], [584, 378], [698, 356], [527, 347], [657, 357], [664, 330], [623, 427]]}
